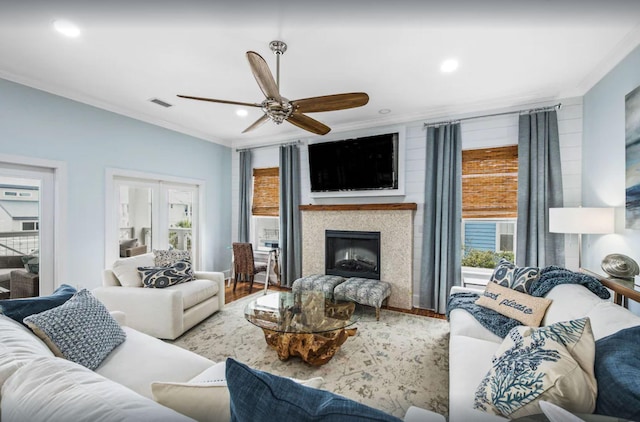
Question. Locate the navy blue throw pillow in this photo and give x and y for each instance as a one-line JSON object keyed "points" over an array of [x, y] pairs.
{"points": [[258, 396], [19, 309], [617, 367]]}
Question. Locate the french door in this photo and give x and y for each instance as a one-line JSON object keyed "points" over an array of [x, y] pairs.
{"points": [[27, 214], [149, 214]]}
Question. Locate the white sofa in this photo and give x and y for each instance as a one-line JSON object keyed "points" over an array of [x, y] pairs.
{"points": [[36, 386], [472, 346], [163, 313]]}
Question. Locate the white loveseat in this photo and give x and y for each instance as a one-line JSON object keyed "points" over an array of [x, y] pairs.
{"points": [[472, 346], [163, 313]]}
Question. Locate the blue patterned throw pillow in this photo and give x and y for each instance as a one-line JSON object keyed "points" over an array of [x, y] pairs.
{"points": [[509, 275], [81, 330], [161, 277], [552, 363], [258, 396]]}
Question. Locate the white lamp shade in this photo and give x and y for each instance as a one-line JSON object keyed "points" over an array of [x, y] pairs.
{"points": [[581, 220]]}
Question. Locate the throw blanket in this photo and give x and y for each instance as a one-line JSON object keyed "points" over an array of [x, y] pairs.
{"points": [[550, 277]]}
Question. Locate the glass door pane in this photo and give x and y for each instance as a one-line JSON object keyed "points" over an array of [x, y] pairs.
{"points": [[180, 209], [135, 212], [21, 244]]}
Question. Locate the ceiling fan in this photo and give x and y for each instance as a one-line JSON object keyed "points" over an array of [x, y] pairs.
{"points": [[278, 108]]}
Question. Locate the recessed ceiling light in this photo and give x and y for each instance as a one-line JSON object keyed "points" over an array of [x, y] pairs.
{"points": [[449, 65], [384, 111], [67, 28], [242, 112]]}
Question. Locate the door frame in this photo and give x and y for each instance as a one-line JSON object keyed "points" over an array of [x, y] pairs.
{"points": [[53, 224], [112, 217]]}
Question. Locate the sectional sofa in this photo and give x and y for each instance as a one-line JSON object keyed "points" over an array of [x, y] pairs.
{"points": [[141, 379], [472, 346]]}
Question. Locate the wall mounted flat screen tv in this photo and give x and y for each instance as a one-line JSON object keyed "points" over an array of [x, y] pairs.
{"points": [[368, 163]]}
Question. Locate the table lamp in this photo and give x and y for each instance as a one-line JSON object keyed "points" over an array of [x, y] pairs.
{"points": [[581, 221]]}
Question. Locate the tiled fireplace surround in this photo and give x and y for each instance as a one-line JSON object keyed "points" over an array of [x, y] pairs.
{"points": [[393, 221]]}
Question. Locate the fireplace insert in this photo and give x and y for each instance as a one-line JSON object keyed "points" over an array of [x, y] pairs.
{"points": [[352, 253]]}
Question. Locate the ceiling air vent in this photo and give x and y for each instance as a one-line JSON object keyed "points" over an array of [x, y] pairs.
{"points": [[160, 102]]}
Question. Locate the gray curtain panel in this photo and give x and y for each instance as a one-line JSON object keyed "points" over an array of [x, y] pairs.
{"points": [[246, 178], [290, 226], [441, 243], [539, 188]]}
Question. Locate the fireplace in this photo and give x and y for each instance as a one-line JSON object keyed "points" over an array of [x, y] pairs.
{"points": [[352, 253]]}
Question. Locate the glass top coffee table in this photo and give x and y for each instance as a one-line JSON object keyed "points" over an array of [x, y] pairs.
{"points": [[303, 324]]}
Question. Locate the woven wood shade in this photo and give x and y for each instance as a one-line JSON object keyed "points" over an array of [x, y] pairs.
{"points": [[266, 192], [490, 182]]}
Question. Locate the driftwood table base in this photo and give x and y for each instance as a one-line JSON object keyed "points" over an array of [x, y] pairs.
{"points": [[315, 349]]}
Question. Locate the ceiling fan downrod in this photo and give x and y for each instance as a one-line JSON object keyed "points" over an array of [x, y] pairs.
{"points": [[278, 48]]}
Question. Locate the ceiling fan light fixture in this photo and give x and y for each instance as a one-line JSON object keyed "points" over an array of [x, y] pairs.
{"points": [[241, 112], [277, 111]]}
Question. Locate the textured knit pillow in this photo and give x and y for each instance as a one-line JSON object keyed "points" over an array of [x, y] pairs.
{"points": [[258, 396], [618, 372], [166, 258], [19, 309], [161, 277], [522, 307], [517, 278], [81, 330], [552, 363]]}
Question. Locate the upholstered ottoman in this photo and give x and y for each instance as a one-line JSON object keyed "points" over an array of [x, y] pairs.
{"points": [[364, 291], [318, 282]]}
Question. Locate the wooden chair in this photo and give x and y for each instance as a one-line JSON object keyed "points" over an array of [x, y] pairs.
{"points": [[244, 266]]}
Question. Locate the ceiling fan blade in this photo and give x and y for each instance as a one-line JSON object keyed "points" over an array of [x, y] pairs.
{"points": [[263, 76], [257, 123], [307, 123], [330, 102], [213, 100]]}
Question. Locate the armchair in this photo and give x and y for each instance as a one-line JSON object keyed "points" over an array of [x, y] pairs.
{"points": [[164, 313]]}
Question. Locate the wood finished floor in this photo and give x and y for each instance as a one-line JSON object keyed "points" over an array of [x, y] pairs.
{"points": [[242, 290]]}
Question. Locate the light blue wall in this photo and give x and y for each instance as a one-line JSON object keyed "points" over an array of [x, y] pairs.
{"points": [[37, 124], [603, 160]]}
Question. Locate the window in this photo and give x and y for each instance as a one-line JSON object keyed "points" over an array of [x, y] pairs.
{"points": [[266, 192], [489, 204], [29, 225], [266, 208]]}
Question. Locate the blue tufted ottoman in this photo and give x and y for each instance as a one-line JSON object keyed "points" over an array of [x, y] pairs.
{"points": [[318, 282], [364, 291]]}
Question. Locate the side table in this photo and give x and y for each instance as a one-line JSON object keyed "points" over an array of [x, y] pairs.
{"points": [[623, 290]]}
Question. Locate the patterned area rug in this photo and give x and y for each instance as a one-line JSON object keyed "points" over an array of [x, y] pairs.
{"points": [[399, 361]]}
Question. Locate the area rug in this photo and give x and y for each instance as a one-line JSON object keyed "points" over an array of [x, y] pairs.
{"points": [[391, 364]]}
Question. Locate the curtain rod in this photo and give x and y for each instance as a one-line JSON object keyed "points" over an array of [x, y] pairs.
{"points": [[533, 110], [278, 144]]}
